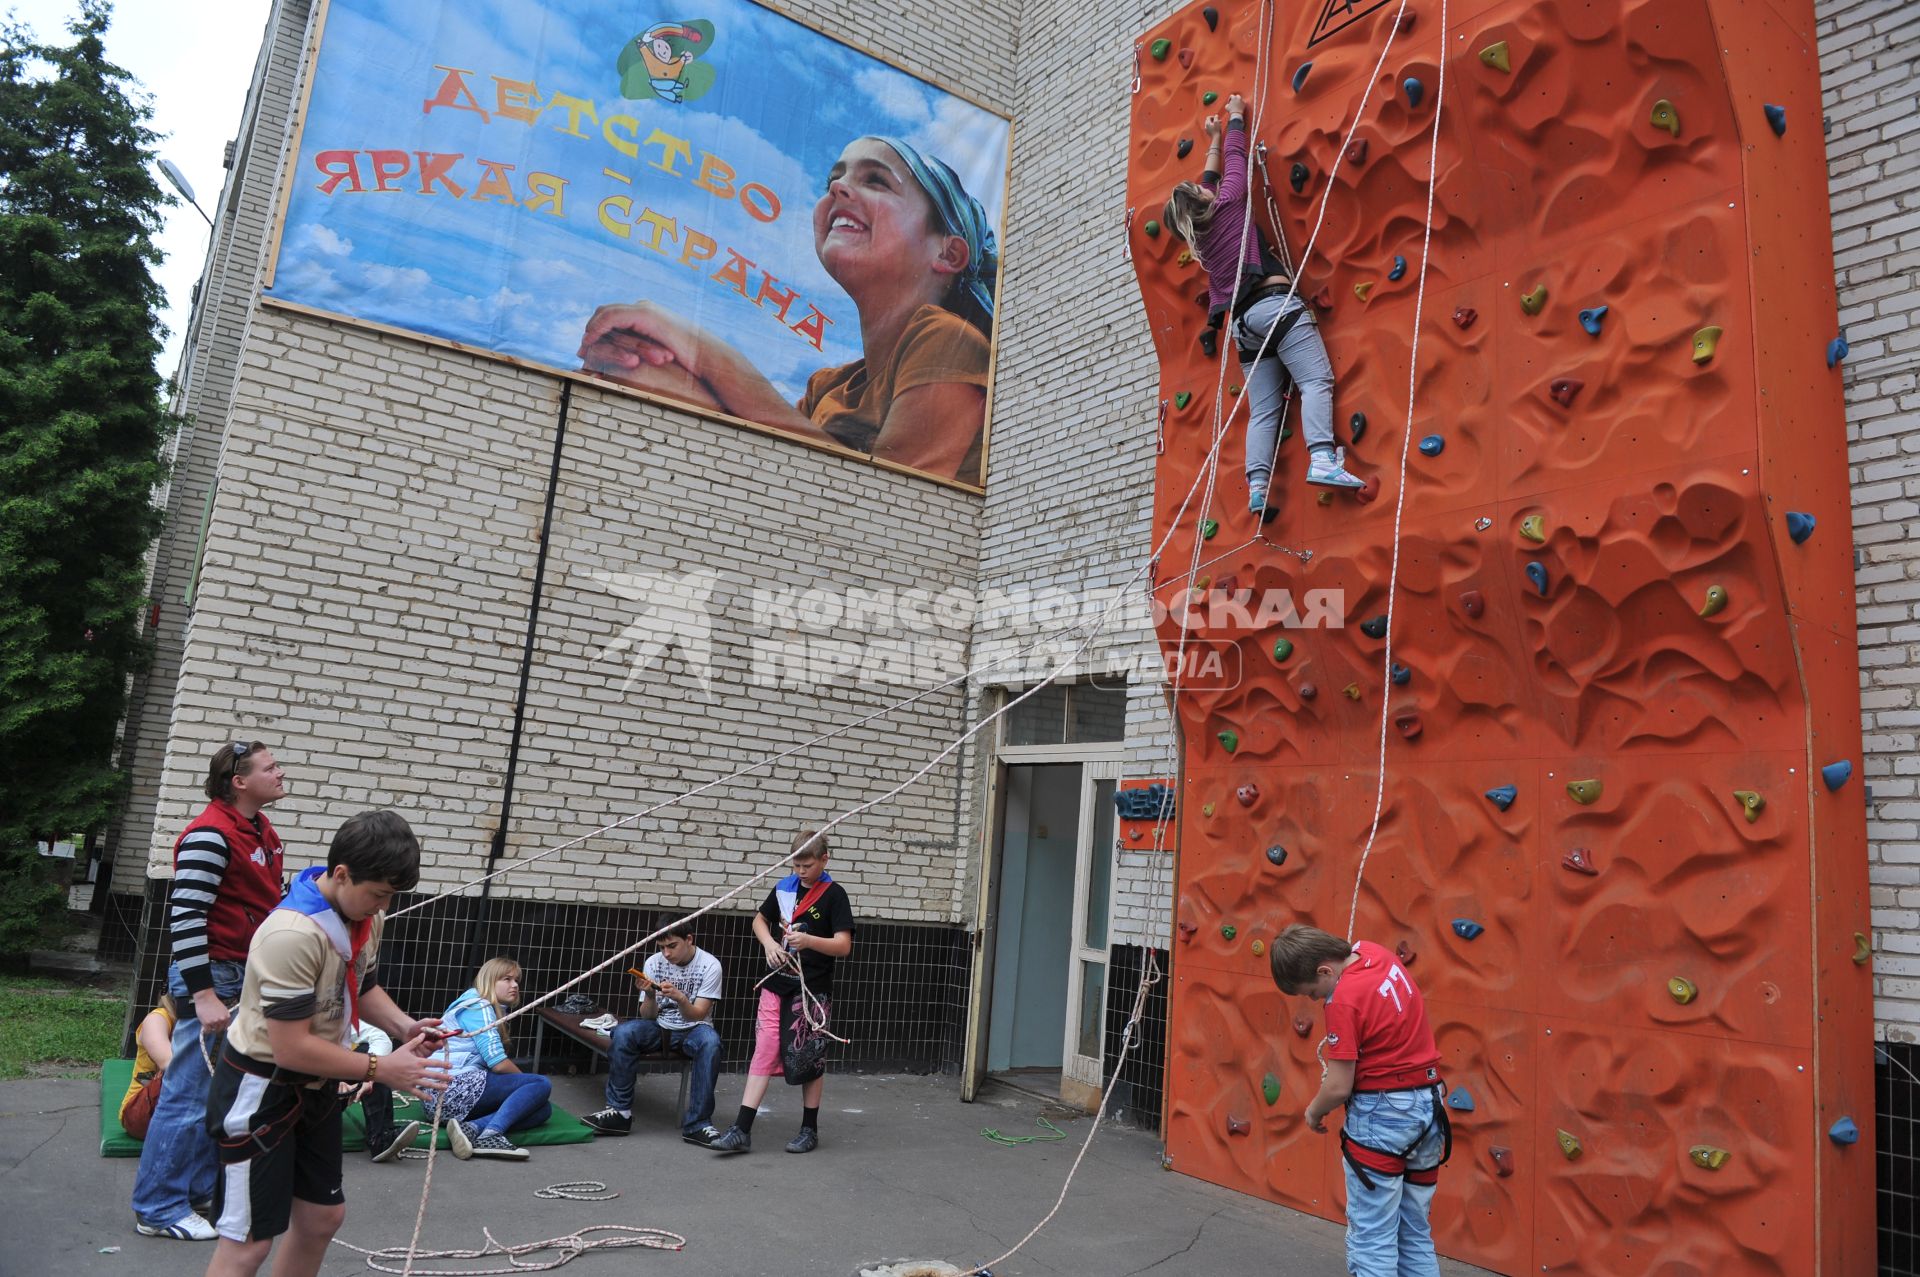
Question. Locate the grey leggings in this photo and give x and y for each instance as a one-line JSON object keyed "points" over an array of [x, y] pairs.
{"points": [[1304, 356]]}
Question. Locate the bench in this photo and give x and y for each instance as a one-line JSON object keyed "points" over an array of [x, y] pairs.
{"points": [[598, 1043]]}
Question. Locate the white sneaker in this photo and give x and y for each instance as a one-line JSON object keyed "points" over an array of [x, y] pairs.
{"points": [[460, 1136], [1328, 469], [188, 1228]]}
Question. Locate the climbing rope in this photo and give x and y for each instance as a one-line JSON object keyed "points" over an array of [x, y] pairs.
{"points": [[1050, 1134], [570, 1245], [577, 1190]]}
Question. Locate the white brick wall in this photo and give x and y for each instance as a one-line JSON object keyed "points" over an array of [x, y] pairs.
{"points": [[1867, 61]]}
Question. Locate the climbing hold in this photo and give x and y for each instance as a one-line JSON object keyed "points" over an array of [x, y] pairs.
{"points": [[1206, 809], [1591, 318], [1464, 316], [1584, 792], [1496, 56], [1467, 928], [1563, 389], [1276, 855], [1580, 860], [1716, 601], [1352, 691], [1399, 267], [1374, 627], [1482, 523], [1208, 527], [1259, 947], [1212, 15], [1569, 1144], [1776, 119], [1323, 300], [1537, 573], [1209, 98], [1186, 931], [1248, 794], [1533, 528], [1234, 390], [1209, 343], [1282, 649], [1325, 498], [1182, 148], [1837, 350], [1302, 1025], [1270, 1088], [1708, 1156], [1409, 725], [1186, 57], [1229, 741], [1836, 774], [1460, 1100], [1406, 21], [1368, 490], [1862, 949], [1705, 342], [1534, 299], [1844, 1132], [1414, 90], [1182, 398], [1472, 604], [1228, 931], [1300, 75], [1432, 446], [1159, 49], [1356, 427], [1185, 258], [1308, 691], [1237, 1127], [1665, 117], [1152, 228], [1502, 1160], [1297, 177], [1753, 803], [1502, 796], [1405, 953], [1682, 989], [1357, 151], [1400, 674], [1361, 290], [1799, 526]]}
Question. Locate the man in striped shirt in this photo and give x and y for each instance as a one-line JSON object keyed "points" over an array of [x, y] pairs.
{"points": [[226, 880]]}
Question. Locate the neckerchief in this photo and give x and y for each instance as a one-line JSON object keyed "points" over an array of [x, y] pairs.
{"points": [[305, 898]]}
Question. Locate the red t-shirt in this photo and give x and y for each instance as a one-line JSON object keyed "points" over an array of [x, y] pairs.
{"points": [[1377, 1017]]}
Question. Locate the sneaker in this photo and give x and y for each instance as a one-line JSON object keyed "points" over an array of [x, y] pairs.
{"points": [[734, 1141], [188, 1228], [609, 1122], [805, 1142], [704, 1136], [494, 1144], [1328, 469], [461, 1136], [203, 1208], [388, 1147]]}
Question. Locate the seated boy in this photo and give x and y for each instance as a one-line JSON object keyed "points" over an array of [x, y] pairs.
{"points": [[1383, 1064], [677, 991], [273, 1105]]}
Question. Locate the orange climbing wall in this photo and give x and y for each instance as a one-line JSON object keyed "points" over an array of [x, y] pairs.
{"points": [[1663, 478]]}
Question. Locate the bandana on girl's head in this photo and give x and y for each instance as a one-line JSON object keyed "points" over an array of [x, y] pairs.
{"points": [[960, 214]]}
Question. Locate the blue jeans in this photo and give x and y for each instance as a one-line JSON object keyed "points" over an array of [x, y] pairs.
{"points": [[635, 1038], [512, 1102], [178, 1165], [1304, 356], [1388, 1232]]}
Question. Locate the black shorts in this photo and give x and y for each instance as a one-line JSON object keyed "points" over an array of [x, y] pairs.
{"points": [[277, 1142]]}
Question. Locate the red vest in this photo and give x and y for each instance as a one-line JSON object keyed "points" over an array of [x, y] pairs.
{"points": [[251, 886]]}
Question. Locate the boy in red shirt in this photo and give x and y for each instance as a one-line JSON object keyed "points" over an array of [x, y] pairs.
{"points": [[1382, 1063]]}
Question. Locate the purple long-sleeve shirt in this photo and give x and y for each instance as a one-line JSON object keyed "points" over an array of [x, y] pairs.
{"points": [[1220, 241]]}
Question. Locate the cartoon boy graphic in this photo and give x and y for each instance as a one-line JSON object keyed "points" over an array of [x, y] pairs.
{"points": [[667, 52]]}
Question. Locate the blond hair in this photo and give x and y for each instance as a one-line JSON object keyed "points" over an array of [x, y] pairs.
{"points": [[1189, 212], [492, 972]]}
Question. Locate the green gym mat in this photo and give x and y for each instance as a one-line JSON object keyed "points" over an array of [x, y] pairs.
{"points": [[562, 1128]]}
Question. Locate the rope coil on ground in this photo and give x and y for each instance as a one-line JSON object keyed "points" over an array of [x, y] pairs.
{"points": [[577, 1190], [570, 1245]]}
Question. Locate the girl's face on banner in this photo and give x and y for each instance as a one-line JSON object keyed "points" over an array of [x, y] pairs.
{"points": [[871, 225]]}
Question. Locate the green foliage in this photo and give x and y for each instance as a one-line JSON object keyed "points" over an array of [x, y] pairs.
{"points": [[81, 425], [56, 1027]]}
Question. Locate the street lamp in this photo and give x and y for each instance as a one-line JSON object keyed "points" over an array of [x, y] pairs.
{"points": [[178, 180]]}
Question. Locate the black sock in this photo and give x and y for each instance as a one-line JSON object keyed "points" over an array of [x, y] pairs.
{"points": [[810, 1119], [745, 1120]]}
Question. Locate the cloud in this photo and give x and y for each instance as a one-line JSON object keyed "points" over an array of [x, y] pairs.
{"points": [[329, 242], [888, 90]]}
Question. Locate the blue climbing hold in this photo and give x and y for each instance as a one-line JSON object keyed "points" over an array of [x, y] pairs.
{"points": [[1502, 796], [1591, 318], [1537, 573], [1844, 1132], [1837, 350], [1460, 1100], [1414, 89], [1467, 928], [1401, 675], [1300, 76], [1776, 119], [1433, 445], [1399, 267], [1150, 802], [1799, 526], [1836, 774]]}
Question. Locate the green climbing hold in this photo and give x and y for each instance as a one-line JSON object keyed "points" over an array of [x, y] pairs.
{"points": [[1496, 56], [1270, 1087], [1533, 299], [1152, 228], [1206, 809], [1585, 792], [1753, 803], [1209, 98], [1229, 741], [1282, 649], [1182, 398], [1682, 989], [1716, 601], [1705, 342], [1709, 1157], [1208, 527], [1229, 931], [1665, 117], [1533, 528], [1160, 49], [1569, 1144]]}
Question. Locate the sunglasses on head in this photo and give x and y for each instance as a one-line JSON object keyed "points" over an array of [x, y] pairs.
{"points": [[241, 749]]}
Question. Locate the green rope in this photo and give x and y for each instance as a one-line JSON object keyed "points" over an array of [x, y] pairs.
{"points": [[1012, 1140]]}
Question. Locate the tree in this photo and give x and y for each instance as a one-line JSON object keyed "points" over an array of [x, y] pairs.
{"points": [[81, 431]]}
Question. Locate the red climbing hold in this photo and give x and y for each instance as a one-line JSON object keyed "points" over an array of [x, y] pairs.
{"points": [[1367, 491], [1580, 860], [1464, 316], [1405, 953], [1563, 389], [1302, 1025], [1409, 725], [1236, 1126], [1186, 57], [1248, 795], [1472, 604], [1308, 691], [1357, 151], [1502, 1160], [1186, 931], [1323, 300]]}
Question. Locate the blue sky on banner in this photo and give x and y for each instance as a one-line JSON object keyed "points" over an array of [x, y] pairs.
{"points": [[786, 99]]}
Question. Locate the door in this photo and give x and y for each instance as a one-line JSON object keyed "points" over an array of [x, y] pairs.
{"points": [[1033, 956], [1086, 1010]]}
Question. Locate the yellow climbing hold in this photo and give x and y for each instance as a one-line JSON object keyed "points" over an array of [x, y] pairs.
{"points": [[1534, 299], [1665, 117], [1185, 258], [1534, 528], [1259, 947], [1862, 949], [1361, 290], [1352, 691], [1496, 56], [1569, 1144], [1706, 1155], [1326, 498], [1716, 601], [1705, 342], [1585, 792], [1752, 802], [1682, 989]]}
